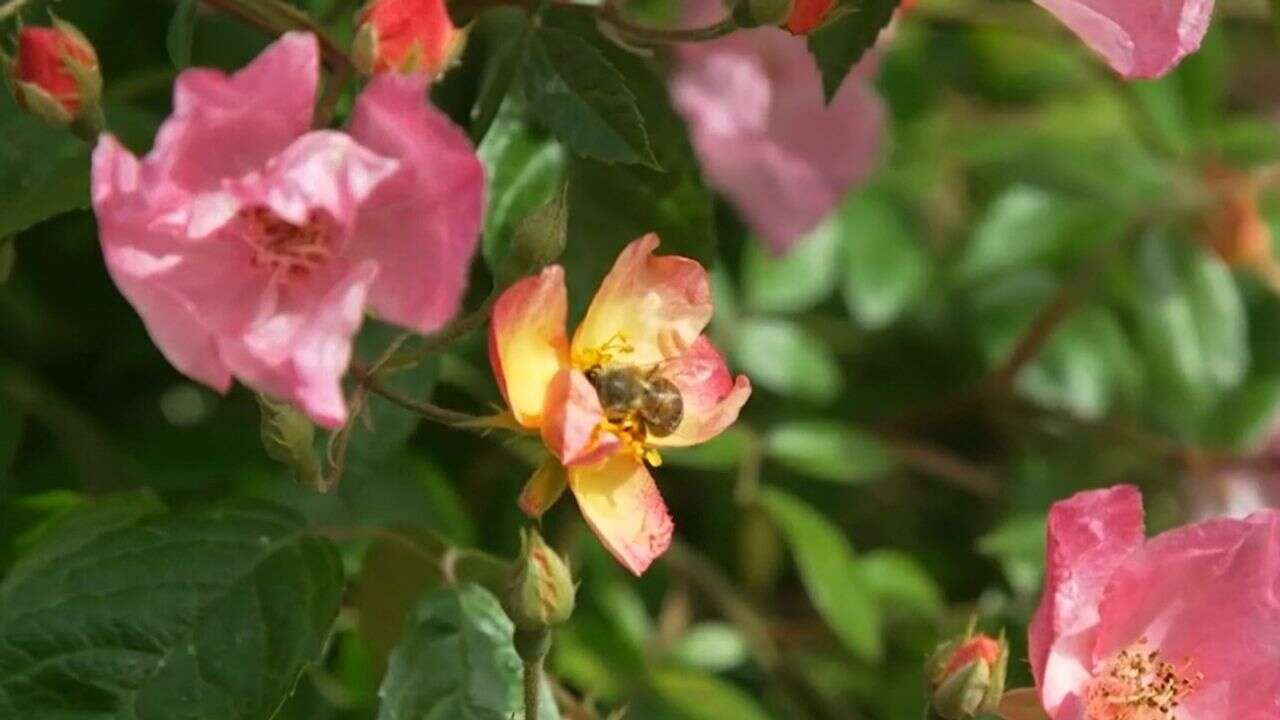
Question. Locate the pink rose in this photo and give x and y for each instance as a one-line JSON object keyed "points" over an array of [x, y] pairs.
{"points": [[252, 245], [1185, 626], [765, 137], [644, 325], [1138, 38]]}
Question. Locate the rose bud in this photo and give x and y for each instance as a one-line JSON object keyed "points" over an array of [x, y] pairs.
{"points": [[55, 77], [541, 594], [966, 676], [807, 15], [406, 36]]}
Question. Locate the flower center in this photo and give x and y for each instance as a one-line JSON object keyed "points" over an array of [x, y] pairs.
{"points": [[1137, 684], [288, 250], [626, 395]]}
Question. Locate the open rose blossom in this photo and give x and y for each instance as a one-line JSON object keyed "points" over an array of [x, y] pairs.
{"points": [[637, 376], [764, 135], [1185, 626], [252, 245], [1138, 38]]}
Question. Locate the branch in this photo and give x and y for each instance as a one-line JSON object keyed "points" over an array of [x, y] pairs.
{"points": [[940, 463], [609, 14], [277, 18], [431, 412]]}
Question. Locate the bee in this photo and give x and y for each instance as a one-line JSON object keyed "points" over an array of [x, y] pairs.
{"points": [[634, 392]]}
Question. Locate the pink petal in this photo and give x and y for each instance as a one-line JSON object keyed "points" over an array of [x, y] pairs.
{"points": [[1138, 38], [571, 421], [1208, 596], [765, 137], [1089, 536], [712, 397], [137, 257], [527, 343], [322, 170], [656, 306], [423, 225], [225, 126], [621, 503], [300, 345]]}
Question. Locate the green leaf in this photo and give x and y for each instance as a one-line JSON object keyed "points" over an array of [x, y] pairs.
{"points": [[848, 33], [11, 422], [386, 427], [900, 585], [695, 696], [828, 450], [1247, 416], [525, 169], [829, 572], [1019, 545], [8, 258], [711, 646], [1021, 226], [796, 281], [784, 358], [885, 269], [181, 30], [719, 454], [125, 611], [585, 101], [63, 189], [609, 204], [456, 660]]}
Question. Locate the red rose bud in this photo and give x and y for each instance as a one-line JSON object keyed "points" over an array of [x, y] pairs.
{"points": [[966, 677], [56, 77], [807, 15], [407, 36]]}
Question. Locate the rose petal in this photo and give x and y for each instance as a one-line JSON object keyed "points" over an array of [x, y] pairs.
{"points": [[423, 225], [1089, 536], [765, 136], [135, 256], [571, 419], [712, 397], [621, 503], [527, 343], [1208, 597], [301, 344], [225, 126], [1138, 38], [656, 305]]}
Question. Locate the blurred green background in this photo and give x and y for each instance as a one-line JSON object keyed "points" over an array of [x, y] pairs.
{"points": [[888, 478]]}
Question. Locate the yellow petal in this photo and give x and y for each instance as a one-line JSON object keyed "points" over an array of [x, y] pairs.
{"points": [[621, 503], [527, 342]]}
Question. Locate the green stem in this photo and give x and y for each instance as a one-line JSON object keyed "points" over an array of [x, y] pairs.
{"points": [[532, 686], [277, 18], [11, 8], [431, 412]]}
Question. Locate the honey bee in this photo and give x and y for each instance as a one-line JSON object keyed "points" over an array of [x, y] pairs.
{"points": [[639, 393]]}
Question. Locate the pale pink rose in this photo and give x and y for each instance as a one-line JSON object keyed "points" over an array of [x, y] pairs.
{"points": [[764, 136], [1184, 626], [251, 245], [1138, 38], [647, 317]]}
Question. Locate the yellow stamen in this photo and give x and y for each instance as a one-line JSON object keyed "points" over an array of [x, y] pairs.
{"points": [[605, 354], [1137, 684]]}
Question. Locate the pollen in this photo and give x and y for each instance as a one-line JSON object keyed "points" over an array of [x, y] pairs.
{"points": [[604, 355], [631, 432], [1137, 684], [286, 249]]}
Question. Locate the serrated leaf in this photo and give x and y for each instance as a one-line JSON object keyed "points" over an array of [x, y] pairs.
{"points": [[456, 660], [885, 269], [505, 34], [829, 572], [784, 358], [182, 28], [696, 696], [610, 204], [846, 36], [126, 611], [828, 450], [581, 96]]}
